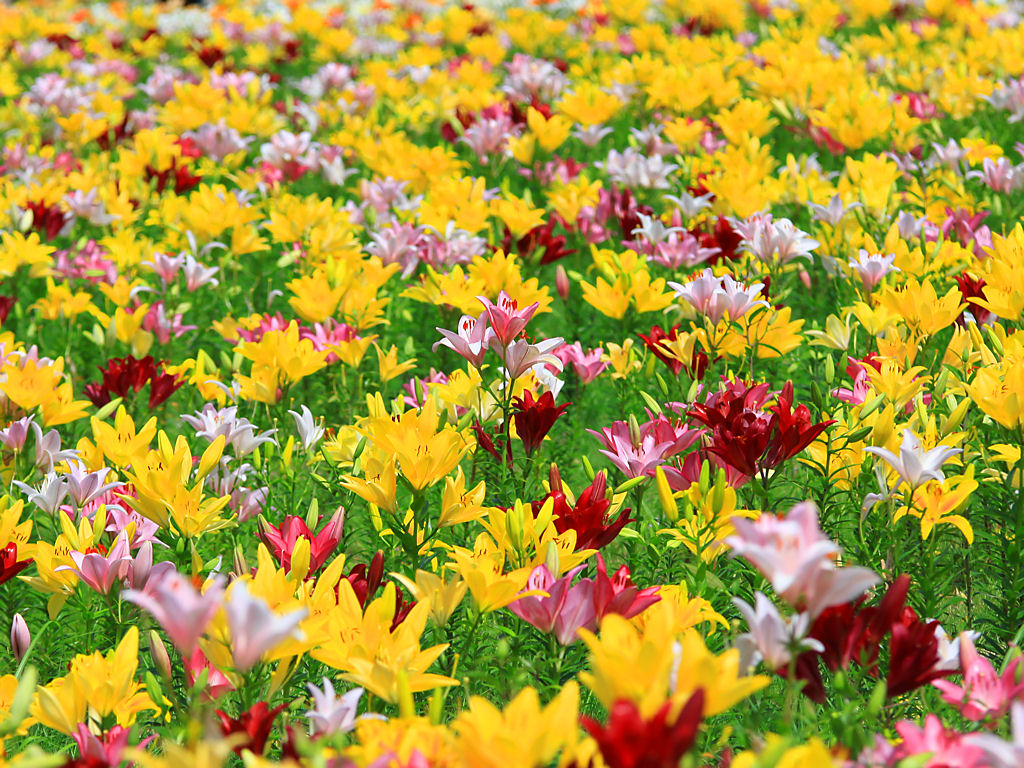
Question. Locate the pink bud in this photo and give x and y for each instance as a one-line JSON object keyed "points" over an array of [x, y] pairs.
{"points": [[21, 639], [562, 282], [805, 278]]}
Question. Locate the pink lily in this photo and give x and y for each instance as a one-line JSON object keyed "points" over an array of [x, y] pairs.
{"points": [[470, 341], [217, 683], [99, 572], [183, 612], [984, 693], [564, 610], [507, 320]]}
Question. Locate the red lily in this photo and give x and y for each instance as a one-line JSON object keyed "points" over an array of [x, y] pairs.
{"points": [[10, 565], [124, 375], [587, 516], [366, 580], [619, 594], [47, 220], [629, 741], [534, 418], [6, 305], [539, 240], [913, 654], [748, 438], [793, 429], [281, 541], [255, 723]]}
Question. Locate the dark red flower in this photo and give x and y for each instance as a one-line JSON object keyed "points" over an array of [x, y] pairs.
{"points": [[913, 654], [47, 220], [853, 633], [618, 594], [255, 723], [177, 177], [721, 236], [629, 741], [748, 438], [6, 305], [534, 418], [587, 515], [126, 375], [281, 541], [161, 387], [10, 565], [793, 430], [539, 240], [971, 289], [366, 580]]}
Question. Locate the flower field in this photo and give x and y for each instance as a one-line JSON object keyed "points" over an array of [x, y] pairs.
{"points": [[589, 383]]}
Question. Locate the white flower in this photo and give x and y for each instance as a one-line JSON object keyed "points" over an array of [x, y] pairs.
{"points": [[914, 465], [309, 431]]}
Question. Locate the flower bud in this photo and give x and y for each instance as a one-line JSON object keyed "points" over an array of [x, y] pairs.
{"points": [[562, 282], [21, 639], [158, 652]]}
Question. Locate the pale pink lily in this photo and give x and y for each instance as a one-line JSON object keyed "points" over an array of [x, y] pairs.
{"points": [[720, 297], [871, 268], [798, 559], [470, 339], [255, 628], [505, 317], [179, 608], [772, 638], [914, 465], [520, 356], [564, 610], [985, 693]]}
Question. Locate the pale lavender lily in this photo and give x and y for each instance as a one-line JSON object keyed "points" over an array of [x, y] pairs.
{"points": [[772, 638], [255, 628], [330, 714]]}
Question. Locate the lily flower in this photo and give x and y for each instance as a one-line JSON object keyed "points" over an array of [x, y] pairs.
{"points": [[914, 465]]}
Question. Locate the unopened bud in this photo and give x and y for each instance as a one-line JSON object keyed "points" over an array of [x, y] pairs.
{"points": [[805, 278], [21, 638], [562, 282], [634, 431], [238, 562], [158, 653]]}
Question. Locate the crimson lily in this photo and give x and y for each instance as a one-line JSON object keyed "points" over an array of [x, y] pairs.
{"points": [[534, 418], [281, 541], [629, 741], [255, 723], [587, 516]]}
